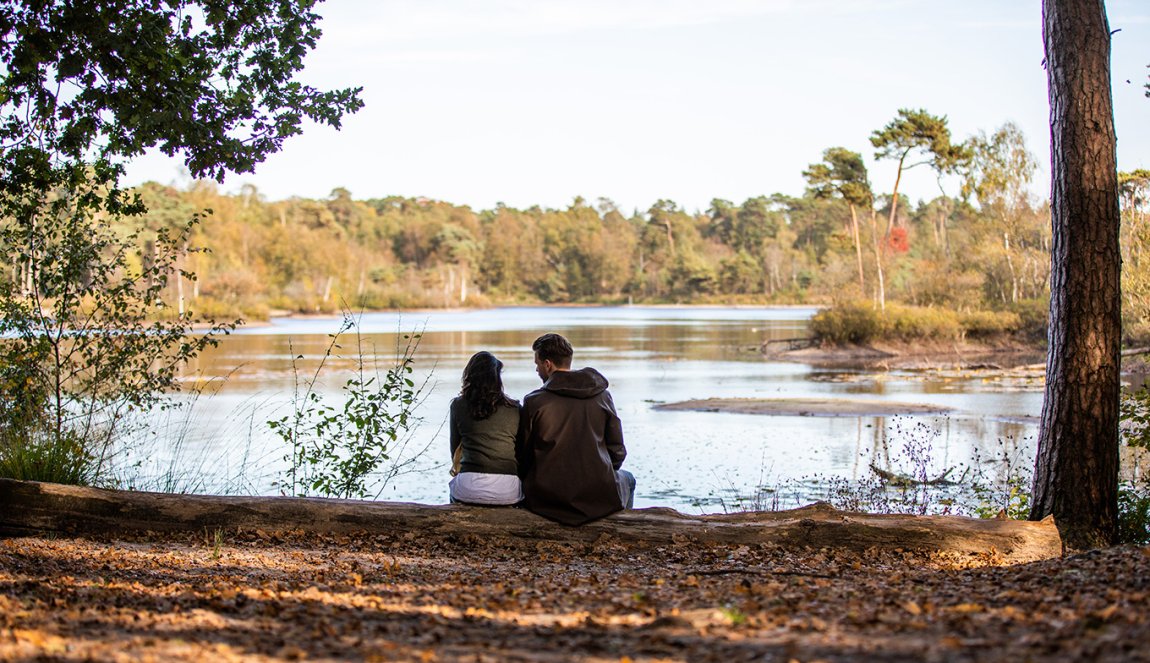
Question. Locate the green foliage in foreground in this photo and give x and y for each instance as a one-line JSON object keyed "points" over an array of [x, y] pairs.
{"points": [[86, 332], [995, 487], [345, 449], [103, 81], [1133, 513], [85, 335], [1134, 411], [33, 454], [1134, 496]]}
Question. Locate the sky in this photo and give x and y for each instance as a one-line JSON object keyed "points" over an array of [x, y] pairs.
{"points": [[537, 102]]}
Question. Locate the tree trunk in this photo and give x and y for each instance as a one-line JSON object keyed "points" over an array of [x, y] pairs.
{"points": [[327, 288], [894, 198], [940, 224], [878, 260], [35, 508], [1010, 267], [858, 248], [1076, 473], [176, 269]]}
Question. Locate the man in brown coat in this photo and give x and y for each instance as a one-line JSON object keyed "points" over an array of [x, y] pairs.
{"points": [[571, 441]]}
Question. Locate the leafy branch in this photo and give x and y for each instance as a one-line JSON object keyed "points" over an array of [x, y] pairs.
{"points": [[336, 446]]}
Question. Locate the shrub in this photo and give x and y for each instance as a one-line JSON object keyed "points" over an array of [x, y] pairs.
{"points": [[1134, 513], [88, 337], [861, 323], [986, 324], [911, 323], [846, 323], [247, 308], [72, 457], [334, 451], [1001, 484], [1134, 412], [1033, 314], [1134, 495], [1135, 331], [378, 300]]}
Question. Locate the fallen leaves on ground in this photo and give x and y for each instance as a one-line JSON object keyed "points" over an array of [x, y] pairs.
{"points": [[255, 596]]}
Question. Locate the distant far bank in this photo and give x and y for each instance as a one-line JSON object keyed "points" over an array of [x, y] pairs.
{"points": [[284, 313]]}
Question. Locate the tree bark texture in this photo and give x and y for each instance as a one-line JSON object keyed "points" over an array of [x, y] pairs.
{"points": [[1076, 472], [28, 507]]}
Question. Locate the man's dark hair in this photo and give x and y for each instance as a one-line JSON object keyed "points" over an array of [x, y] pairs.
{"points": [[555, 348]]}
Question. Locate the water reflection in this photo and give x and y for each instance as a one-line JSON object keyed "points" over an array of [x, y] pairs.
{"points": [[693, 461]]}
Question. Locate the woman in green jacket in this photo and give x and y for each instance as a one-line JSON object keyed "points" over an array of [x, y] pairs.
{"points": [[484, 423]]}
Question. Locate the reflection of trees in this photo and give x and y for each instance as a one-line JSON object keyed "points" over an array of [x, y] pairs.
{"points": [[646, 359]]}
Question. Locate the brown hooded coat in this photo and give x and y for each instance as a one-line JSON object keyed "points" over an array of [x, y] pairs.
{"points": [[571, 444]]}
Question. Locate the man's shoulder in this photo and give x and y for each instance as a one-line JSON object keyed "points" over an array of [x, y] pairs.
{"points": [[534, 396]]}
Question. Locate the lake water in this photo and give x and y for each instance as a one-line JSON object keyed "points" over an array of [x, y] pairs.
{"points": [[692, 461]]}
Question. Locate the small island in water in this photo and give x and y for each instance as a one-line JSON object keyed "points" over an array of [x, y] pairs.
{"points": [[804, 407]]}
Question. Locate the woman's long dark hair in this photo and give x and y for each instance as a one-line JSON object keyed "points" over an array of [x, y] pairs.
{"points": [[483, 386]]}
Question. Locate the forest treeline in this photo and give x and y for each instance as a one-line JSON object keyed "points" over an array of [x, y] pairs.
{"points": [[982, 247]]}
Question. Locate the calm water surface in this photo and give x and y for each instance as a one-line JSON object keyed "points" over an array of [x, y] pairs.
{"points": [[692, 461]]}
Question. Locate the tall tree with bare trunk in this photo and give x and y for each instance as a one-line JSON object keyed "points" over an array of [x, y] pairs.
{"points": [[1076, 473]]}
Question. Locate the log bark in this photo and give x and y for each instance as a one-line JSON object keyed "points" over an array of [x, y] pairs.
{"points": [[31, 508]]}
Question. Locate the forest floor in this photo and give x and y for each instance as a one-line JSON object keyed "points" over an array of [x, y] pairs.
{"points": [[426, 597]]}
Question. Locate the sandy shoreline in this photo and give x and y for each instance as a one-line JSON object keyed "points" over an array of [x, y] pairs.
{"points": [[923, 355], [804, 407]]}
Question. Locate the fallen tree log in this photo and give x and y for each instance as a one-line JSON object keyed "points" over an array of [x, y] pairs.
{"points": [[31, 508], [902, 480]]}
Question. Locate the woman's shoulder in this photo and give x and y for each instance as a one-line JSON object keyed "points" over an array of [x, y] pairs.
{"points": [[510, 407]]}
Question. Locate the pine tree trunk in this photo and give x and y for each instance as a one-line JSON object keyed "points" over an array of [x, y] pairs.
{"points": [[894, 198], [1076, 474]]}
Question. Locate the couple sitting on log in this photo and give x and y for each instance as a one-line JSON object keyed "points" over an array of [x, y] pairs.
{"points": [[558, 454]]}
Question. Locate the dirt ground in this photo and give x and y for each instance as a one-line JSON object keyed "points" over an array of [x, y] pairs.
{"points": [[250, 596]]}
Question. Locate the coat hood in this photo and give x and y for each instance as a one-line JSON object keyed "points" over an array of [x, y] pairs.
{"points": [[582, 383]]}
